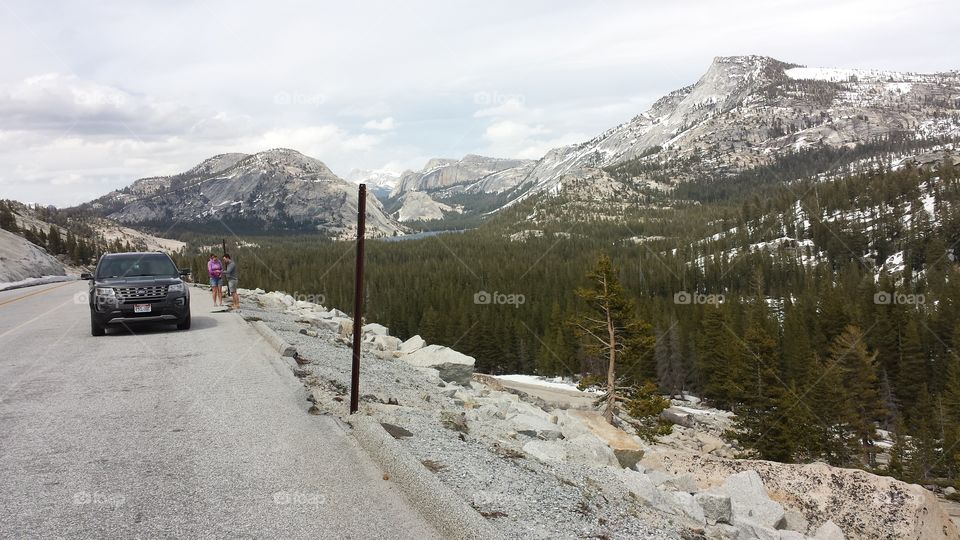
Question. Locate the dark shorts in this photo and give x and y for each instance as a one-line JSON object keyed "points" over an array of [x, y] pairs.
{"points": [[214, 281], [231, 286]]}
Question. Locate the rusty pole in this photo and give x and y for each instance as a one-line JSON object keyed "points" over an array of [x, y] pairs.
{"points": [[358, 301]]}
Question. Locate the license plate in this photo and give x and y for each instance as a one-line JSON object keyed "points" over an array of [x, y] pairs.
{"points": [[141, 308]]}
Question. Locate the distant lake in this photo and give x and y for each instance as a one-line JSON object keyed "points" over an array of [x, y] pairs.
{"points": [[418, 236]]}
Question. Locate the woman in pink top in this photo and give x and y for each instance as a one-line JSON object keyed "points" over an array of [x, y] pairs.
{"points": [[214, 270]]}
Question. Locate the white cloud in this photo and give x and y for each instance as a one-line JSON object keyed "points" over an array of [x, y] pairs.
{"points": [[113, 103], [385, 124]]}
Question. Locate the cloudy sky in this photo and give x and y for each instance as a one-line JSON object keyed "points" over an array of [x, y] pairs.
{"points": [[96, 94]]}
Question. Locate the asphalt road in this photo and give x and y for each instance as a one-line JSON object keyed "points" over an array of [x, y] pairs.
{"points": [[162, 433]]}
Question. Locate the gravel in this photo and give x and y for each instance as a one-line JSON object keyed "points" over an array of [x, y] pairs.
{"points": [[520, 496]]}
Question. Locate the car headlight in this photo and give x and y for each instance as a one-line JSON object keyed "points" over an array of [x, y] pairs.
{"points": [[105, 291], [177, 287]]}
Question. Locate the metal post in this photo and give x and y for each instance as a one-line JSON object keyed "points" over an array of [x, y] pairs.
{"points": [[358, 301], [223, 244]]}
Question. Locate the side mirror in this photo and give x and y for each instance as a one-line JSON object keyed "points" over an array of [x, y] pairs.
{"points": [[86, 276], [184, 272]]}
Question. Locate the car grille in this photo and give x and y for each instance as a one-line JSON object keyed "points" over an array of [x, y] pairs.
{"points": [[132, 295]]}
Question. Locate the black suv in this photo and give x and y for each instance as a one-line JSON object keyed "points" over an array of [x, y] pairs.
{"points": [[137, 287]]}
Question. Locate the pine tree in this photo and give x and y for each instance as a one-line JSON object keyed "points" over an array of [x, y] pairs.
{"points": [[717, 360], [923, 438], [611, 331], [862, 388], [763, 401], [557, 353], [671, 372], [54, 242], [8, 221], [912, 369]]}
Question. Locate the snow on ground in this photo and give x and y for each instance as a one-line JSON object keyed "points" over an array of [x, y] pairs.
{"points": [[558, 383], [30, 282]]}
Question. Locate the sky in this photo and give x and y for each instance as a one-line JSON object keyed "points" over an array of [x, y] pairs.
{"points": [[94, 95]]}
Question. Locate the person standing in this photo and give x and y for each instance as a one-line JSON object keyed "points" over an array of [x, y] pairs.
{"points": [[230, 274], [215, 270]]}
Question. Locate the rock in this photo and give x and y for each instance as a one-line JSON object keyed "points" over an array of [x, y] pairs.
{"points": [[755, 531], [452, 365], [750, 501], [547, 451], [413, 344], [678, 417], [455, 421], [792, 535], [641, 487], [873, 506], [587, 449], [396, 432], [533, 426], [796, 521], [670, 482], [717, 507], [307, 332], [721, 531], [385, 343], [688, 506], [626, 448], [950, 490], [829, 531], [375, 329]]}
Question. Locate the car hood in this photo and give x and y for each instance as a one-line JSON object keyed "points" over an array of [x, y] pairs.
{"points": [[138, 280]]}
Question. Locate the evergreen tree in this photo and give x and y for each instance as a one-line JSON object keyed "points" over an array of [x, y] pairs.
{"points": [[8, 221], [671, 372], [717, 359], [861, 387], [611, 331]]}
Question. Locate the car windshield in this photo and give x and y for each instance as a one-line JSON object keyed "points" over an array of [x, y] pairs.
{"points": [[149, 264]]}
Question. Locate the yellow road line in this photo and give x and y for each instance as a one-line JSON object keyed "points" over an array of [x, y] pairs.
{"points": [[34, 293]]}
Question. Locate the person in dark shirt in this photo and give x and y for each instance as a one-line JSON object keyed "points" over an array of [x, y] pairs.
{"points": [[230, 275]]}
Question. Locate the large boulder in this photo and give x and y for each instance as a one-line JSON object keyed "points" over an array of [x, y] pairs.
{"points": [[716, 506], [413, 344], [642, 487], [533, 426], [584, 450], [750, 501], [374, 329], [688, 506], [627, 448], [385, 343], [452, 365]]}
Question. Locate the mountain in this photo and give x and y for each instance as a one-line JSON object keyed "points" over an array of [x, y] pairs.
{"points": [[380, 181], [276, 190], [749, 111], [744, 113], [472, 174]]}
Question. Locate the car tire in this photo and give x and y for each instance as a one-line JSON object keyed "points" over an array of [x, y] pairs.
{"points": [[97, 329], [184, 324]]}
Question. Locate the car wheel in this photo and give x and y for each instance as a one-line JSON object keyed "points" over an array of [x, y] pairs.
{"points": [[96, 329], [184, 324]]}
